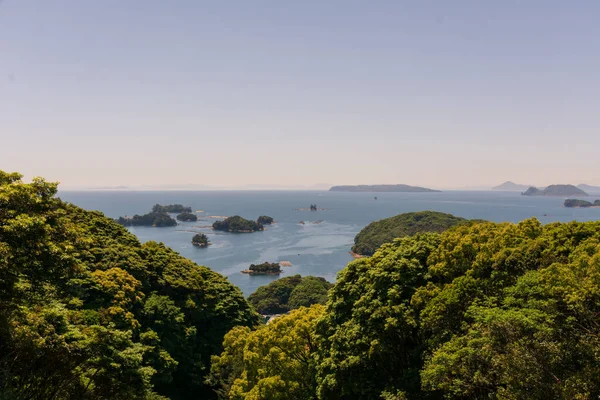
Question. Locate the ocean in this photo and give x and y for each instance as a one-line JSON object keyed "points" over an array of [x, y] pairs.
{"points": [[318, 249]]}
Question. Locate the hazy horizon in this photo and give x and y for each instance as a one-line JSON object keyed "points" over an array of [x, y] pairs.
{"points": [[434, 94]]}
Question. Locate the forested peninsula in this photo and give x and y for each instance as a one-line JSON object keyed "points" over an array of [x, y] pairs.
{"points": [[370, 238], [481, 310]]}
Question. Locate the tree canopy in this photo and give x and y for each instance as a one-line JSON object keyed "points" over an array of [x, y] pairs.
{"points": [[88, 312], [486, 310], [289, 293], [370, 238], [274, 362]]}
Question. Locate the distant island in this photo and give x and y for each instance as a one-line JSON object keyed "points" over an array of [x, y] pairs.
{"points": [[381, 188], [265, 220], [156, 219], [265, 268], [186, 217], [237, 224], [200, 240], [555, 190], [171, 208], [370, 238], [509, 186], [589, 188], [574, 203]]}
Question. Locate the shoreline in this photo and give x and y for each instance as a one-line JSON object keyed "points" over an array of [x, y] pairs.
{"points": [[356, 256]]}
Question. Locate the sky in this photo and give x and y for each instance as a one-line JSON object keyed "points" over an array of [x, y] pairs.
{"points": [[444, 94]]}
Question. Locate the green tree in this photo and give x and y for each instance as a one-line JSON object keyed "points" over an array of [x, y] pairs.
{"points": [[289, 293], [88, 312], [276, 361]]}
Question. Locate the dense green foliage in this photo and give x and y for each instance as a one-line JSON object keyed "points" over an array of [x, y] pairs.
{"points": [[237, 224], [581, 203], [488, 310], [555, 190], [157, 219], [265, 268], [495, 311], [370, 238], [88, 312], [265, 220], [289, 293], [200, 239], [275, 362], [185, 216], [171, 208]]}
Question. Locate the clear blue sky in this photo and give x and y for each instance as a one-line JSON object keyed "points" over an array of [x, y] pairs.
{"points": [[436, 93]]}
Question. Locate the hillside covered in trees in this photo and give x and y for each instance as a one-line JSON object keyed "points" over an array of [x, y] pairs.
{"points": [[88, 312], [290, 293], [482, 310], [485, 310], [370, 238]]}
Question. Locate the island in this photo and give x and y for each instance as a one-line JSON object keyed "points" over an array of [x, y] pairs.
{"points": [[555, 190], [509, 186], [265, 220], [156, 219], [574, 203], [386, 230], [200, 240], [186, 217], [589, 188], [382, 188], [265, 268], [237, 224], [171, 208]]}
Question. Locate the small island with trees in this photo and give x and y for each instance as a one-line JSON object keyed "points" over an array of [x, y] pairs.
{"points": [[159, 216], [187, 217], [574, 203], [237, 224], [200, 240], [265, 268], [171, 208], [155, 219], [265, 220]]}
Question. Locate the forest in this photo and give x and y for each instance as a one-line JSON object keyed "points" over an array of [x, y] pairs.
{"points": [[480, 310]]}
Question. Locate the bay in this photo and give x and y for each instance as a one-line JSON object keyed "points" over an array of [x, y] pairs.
{"points": [[318, 249]]}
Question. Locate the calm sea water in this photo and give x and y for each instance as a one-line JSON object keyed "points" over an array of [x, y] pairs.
{"points": [[313, 249]]}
